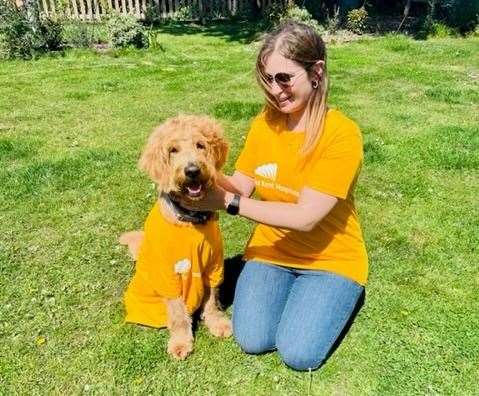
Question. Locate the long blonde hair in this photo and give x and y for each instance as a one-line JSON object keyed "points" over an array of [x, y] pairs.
{"points": [[300, 43]]}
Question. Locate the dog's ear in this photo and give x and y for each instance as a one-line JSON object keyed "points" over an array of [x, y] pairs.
{"points": [[220, 148], [153, 160], [219, 145]]}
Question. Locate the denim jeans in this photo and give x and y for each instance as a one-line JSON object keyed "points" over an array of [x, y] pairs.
{"points": [[301, 313]]}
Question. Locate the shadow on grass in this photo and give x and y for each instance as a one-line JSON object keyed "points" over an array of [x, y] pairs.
{"points": [[240, 31], [233, 267]]}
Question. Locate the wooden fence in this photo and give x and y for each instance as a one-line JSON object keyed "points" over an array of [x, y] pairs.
{"points": [[91, 10]]}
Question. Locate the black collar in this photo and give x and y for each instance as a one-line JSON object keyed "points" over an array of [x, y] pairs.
{"points": [[186, 215]]}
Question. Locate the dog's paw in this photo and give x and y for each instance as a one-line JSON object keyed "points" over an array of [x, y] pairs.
{"points": [[221, 327], [179, 348]]}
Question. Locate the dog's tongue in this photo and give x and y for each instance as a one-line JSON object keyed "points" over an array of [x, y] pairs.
{"points": [[194, 189]]}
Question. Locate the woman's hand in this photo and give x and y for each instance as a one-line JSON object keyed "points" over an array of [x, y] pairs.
{"points": [[215, 199]]}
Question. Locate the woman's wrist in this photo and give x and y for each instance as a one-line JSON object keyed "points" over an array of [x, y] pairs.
{"points": [[228, 197]]}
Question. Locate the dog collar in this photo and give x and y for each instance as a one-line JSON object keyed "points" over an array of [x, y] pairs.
{"points": [[186, 215]]}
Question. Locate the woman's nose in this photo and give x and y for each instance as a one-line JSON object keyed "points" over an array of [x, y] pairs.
{"points": [[276, 88]]}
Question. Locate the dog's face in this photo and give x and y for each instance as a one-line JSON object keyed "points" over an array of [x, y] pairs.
{"points": [[183, 155]]}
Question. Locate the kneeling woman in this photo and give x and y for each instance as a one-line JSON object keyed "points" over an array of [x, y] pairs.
{"points": [[307, 262]]}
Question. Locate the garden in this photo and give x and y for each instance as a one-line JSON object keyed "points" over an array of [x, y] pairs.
{"points": [[77, 102]]}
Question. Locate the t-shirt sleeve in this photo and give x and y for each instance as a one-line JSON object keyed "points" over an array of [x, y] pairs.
{"points": [[338, 165], [247, 160]]}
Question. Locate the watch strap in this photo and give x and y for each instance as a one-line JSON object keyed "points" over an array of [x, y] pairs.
{"points": [[233, 206]]}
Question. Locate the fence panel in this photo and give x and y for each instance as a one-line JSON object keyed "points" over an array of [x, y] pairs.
{"points": [[164, 9]]}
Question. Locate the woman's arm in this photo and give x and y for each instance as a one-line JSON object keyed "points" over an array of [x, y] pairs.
{"points": [[238, 183], [311, 208]]}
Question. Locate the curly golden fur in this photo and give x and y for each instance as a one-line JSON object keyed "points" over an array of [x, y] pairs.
{"points": [[179, 146], [183, 141]]}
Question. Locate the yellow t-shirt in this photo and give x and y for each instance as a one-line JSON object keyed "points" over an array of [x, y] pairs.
{"points": [[173, 261], [271, 157]]}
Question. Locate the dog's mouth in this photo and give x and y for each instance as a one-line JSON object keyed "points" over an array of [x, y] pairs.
{"points": [[194, 189]]}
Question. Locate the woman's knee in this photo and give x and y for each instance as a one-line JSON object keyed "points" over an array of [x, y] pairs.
{"points": [[252, 343], [301, 352], [302, 359]]}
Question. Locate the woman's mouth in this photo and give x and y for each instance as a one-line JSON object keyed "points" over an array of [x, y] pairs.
{"points": [[284, 101]]}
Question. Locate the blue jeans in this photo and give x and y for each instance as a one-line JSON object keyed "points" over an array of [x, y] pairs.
{"points": [[301, 313]]}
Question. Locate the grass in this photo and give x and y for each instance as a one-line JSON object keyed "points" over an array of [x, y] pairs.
{"points": [[71, 130]]}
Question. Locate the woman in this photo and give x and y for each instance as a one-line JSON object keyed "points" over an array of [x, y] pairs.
{"points": [[307, 263]]}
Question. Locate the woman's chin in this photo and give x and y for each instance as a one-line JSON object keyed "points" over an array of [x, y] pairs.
{"points": [[288, 108]]}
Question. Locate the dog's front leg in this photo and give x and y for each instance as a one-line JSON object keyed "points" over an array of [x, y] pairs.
{"points": [[180, 343], [215, 320]]}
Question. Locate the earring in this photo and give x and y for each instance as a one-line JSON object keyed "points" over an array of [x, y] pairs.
{"points": [[314, 84]]}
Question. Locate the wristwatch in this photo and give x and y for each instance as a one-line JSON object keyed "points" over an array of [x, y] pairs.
{"points": [[233, 206]]}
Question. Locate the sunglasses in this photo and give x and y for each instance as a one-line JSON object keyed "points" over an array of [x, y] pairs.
{"points": [[284, 80]]}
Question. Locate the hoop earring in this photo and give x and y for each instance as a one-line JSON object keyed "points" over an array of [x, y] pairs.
{"points": [[314, 84]]}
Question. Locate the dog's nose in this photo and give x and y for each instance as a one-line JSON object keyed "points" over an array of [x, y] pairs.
{"points": [[192, 171]]}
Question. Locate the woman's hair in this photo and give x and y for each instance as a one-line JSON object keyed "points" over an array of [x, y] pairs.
{"points": [[300, 43]]}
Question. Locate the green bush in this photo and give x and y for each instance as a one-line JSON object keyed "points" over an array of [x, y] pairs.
{"points": [[16, 35], [154, 40], [432, 28], [49, 34], [333, 22], [84, 34], [24, 34], [126, 31], [277, 14], [357, 20], [460, 14], [440, 30], [187, 12]]}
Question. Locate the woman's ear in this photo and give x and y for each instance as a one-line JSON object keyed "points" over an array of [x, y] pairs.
{"points": [[318, 68]]}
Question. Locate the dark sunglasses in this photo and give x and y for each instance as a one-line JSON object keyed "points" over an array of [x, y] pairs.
{"points": [[282, 79]]}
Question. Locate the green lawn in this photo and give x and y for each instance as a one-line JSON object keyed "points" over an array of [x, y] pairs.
{"points": [[71, 130]]}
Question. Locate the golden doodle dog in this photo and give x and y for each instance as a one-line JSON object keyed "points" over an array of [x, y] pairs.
{"points": [[179, 253]]}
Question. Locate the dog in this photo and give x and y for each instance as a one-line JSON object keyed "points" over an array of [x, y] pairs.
{"points": [[179, 254]]}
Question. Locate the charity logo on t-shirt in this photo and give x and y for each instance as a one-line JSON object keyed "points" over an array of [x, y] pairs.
{"points": [[267, 171]]}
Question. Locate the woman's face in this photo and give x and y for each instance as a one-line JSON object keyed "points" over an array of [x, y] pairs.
{"points": [[290, 97]]}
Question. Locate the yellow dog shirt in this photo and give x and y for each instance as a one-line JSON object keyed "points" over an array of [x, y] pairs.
{"points": [[174, 261]]}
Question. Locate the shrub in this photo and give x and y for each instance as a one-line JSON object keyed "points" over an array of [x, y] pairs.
{"points": [[277, 14], [211, 9], [357, 20], [49, 34], [333, 23], [154, 40], [433, 28], [15, 32], [187, 12], [25, 33], [125, 31], [152, 13], [460, 14], [84, 34], [273, 13], [440, 30]]}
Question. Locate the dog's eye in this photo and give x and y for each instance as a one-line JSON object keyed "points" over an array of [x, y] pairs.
{"points": [[200, 146], [172, 150]]}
